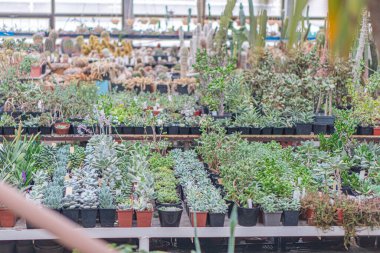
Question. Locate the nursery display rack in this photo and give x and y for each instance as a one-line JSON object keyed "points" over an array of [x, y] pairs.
{"points": [[184, 231], [190, 138]]}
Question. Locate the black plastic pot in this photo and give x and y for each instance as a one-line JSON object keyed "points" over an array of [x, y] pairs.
{"points": [[291, 218], [266, 131], [137, 90], [182, 89], [162, 88], [7, 246], [128, 130], [71, 214], [1, 130], [365, 130], [184, 130], [173, 130], [176, 75], [45, 130], [117, 129], [230, 205], [24, 130], [195, 130], [7, 130], [25, 246], [148, 130], [107, 217], [330, 129], [247, 217], [244, 130], [278, 131], [33, 130], [255, 131], [319, 128], [289, 130], [139, 130], [161, 129], [324, 120], [88, 217], [48, 249], [304, 128], [170, 218], [216, 219], [148, 88], [231, 130]]}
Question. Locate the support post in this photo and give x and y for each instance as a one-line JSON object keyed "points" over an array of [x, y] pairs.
{"points": [[144, 244], [127, 12]]}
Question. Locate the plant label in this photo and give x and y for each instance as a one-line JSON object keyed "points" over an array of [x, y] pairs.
{"points": [[72, 149], [249, 201], [362, 175], [69, 191], [54, 144]]}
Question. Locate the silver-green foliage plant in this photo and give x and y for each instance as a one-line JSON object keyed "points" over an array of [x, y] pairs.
{"points": [[106, 199], [53, 196], [41, 181], [101, 155]]}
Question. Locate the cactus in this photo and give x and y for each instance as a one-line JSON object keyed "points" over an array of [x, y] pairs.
{"points": [[263, 19], [38, 41], [49, 46], [79, 41], [53, 35], [241, 15], [67, 46], [209, 11], [184, 54], [252, 25], [105, 35], [38, 38], [188, 19], [221, 36]]}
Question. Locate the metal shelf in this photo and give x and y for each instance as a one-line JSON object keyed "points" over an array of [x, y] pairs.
{"points": [[259, 138]]}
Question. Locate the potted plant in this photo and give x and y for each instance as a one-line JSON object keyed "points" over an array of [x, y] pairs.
{"points": [[272, 210], [125, 212], [169, 216], [107, 208], [291, 208], [304, 122], [218, 210], [62, 128], [7, 217], [89, 206], [36, 66], [53, 197], [45, 123], [144, 211], [248, 214], [9, 124], [32, 125], [71, 201]]}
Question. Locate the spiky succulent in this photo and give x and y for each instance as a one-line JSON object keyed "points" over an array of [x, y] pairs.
{"points": [[106, 200], [76, 159], [49, 45], [67, 46]]}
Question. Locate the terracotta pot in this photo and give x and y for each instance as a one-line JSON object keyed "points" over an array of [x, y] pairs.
{"points": [[376, 131], [310, 216], [201, 218], [144, 218], [62, 128], [35, 71], [339, 215], [7, 218], [125, 218]]}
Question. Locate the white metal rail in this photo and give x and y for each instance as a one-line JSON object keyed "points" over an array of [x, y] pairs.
{"points": [[144, 234]]}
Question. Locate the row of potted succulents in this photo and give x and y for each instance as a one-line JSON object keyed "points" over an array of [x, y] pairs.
{"points": [[203, 202]]}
